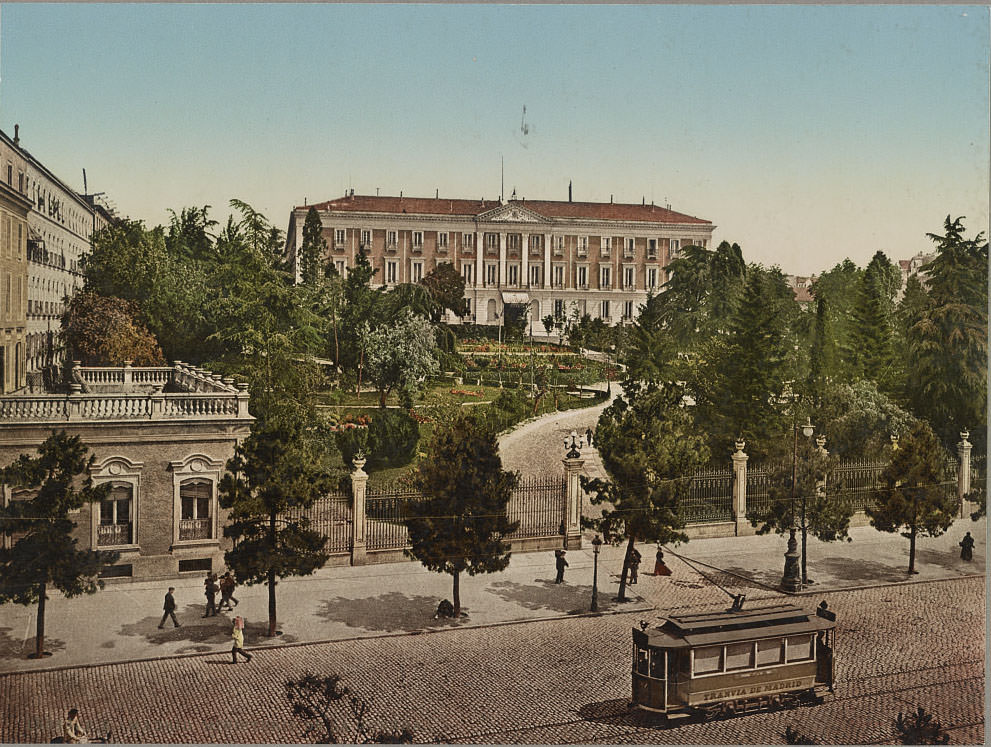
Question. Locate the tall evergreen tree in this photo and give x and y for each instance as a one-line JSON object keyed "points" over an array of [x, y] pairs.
{"points": [[872, 351], [648, 446], [460, 526], [822, 357], [839, 288], [313, 248], [740, 384], [44, 552], [916, 495], [948, 346]]}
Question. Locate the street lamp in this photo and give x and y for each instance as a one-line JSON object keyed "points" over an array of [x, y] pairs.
{"points": [[791, 580], [596, 544], [573, 443]]}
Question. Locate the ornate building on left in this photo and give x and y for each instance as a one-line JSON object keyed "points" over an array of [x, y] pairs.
{"points": [[46, 230], [161, 436]]}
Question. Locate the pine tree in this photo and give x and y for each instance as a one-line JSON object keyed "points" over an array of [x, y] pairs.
{"points": [[44, 553], [648, 446], [916, 492], [872, 330], [948, 346], [460, 526], [822, 357], [313, 248]]}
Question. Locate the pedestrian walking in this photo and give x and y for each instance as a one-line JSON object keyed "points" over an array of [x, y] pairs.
{"points": [[238, 635], [660, 569], [588, 436], [635, 559], [561, 565], [73, 732], [210, 590], [169, 609], [227, 586], [967, 547]]}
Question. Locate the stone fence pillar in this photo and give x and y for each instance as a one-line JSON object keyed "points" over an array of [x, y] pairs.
{"points": [[743, 526], [963, 472], [128, 374], [359, 484], [571, 521]]}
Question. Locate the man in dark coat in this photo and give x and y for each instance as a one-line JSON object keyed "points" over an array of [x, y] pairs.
{"points": [[967, 547], [211, 589], [561, 565], [169, 609], [634, 564]]}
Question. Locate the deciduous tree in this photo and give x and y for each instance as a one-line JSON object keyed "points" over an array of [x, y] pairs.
{"points": [[400, 356], [447, 287], [102, 331]]}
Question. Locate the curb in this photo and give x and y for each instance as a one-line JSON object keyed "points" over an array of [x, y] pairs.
{"points": [[298, 644]]}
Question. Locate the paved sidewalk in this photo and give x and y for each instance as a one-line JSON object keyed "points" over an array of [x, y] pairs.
{"points": [[120, 623]]}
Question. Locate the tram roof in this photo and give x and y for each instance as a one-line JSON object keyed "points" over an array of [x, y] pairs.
{"points": [[708, 628]]}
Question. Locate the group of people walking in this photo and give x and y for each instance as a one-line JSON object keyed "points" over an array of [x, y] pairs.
{"points": [[225, 585], [634, 557]]}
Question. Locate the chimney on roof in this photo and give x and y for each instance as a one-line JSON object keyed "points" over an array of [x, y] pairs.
{"points": [[610, 199], [437, 195], [376, 191], [569, 190], [352, 194], [17, 134], [643, 199], [400, 194], [669, 206], [304, 202]]}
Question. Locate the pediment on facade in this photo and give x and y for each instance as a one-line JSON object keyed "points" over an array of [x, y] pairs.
{"points": [[196, 463], [115, 465], [512, 213]]}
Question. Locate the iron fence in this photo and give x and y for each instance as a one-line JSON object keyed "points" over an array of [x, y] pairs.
{"points": [[758, 490], [710, 497], [857, 480], [538, 504], [979, 472], [385, 517], [332, 517]]}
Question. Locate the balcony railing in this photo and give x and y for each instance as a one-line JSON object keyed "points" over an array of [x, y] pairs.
{"points": [[195, 529], [113, 534]]}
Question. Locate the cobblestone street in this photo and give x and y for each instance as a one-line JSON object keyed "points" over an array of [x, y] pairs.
{"points": [[548, 681]]}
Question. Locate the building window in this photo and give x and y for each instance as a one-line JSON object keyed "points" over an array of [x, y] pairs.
{"points": [[195, 520], [605, 310], [513, 272], [674, 248], [442, 241], [390, 272], [466, 241], [651, 278], [558, 308], [339, 236], [583, 246], [416, 272], [558, 276], [366, 238], [466, 272], [491, 273], [534, 274], [492, 240], [513, 241], [115, 524], [605, 277], [651, 248], [536, 243], [605, 244], [558, 243], [628, 252], [629, 277], [390, 239], [341, 266], [417, 239], [627, 309], [582, 276]]}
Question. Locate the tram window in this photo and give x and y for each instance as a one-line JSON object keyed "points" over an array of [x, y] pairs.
{"points": [[770, 652], [656, 664], [799, 648], [708, 659], [739, 656], [641, 660]]}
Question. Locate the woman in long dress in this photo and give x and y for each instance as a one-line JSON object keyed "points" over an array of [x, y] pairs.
{"points": [[659, 568]]}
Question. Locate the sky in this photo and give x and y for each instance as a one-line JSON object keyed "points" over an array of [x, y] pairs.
{"points": [[807, 134]]}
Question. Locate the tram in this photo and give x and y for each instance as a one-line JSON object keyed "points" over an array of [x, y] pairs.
{"points": [[724, 663]]}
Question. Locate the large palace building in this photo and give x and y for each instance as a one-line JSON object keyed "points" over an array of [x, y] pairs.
{"points": [[601, 258]]}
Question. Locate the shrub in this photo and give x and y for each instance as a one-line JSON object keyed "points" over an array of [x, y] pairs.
{"points": [[392, 437]]}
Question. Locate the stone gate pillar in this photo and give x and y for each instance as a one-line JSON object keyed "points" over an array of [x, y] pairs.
{"points": [[743, 526], [963, 472], [571, 521], [359, 483]]}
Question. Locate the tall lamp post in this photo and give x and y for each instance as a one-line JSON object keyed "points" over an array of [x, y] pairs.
{"points": [[596, 544], [792, 578]]}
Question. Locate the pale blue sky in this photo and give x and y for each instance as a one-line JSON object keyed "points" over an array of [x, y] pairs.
{"points": [[805, 133]]}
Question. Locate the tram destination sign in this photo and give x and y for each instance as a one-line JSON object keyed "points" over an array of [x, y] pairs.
{"points": [[742, 691]]}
